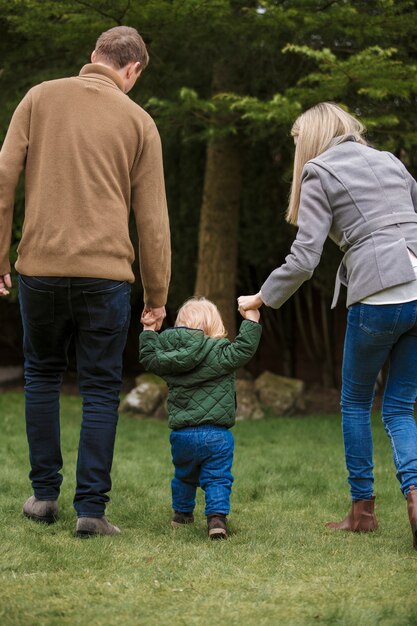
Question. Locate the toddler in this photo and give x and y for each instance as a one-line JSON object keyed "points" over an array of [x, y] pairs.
{"points": [[199, 364]]}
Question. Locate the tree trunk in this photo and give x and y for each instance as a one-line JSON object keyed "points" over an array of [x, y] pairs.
{"points": [[219, 220], [218, 232], [317, 341]]}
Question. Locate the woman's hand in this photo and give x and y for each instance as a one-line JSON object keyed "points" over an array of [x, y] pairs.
{"points": [[250, 303]]}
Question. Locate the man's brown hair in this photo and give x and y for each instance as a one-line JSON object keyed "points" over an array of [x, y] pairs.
{"points": [[121, 45]]}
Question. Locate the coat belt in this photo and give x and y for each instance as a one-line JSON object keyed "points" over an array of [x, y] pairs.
{"points": [[363, 230]]}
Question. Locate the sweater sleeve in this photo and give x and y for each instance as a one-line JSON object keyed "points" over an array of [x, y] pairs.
{"points": [[314, 223], [12, 160], [239, 352], [151, 214]]}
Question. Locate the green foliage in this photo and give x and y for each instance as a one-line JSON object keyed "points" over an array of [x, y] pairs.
{"points": [[223, 114], [374, 73]]}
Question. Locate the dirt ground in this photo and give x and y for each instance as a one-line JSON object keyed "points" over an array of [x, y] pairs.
{"points": [[321, 401]]}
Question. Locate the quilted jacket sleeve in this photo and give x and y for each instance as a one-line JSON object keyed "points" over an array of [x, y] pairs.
{"points": [[148, 352], [237, 353]]}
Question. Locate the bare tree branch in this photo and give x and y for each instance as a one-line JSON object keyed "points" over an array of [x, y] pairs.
{"points": [[326, 6], [127, 7], [100, 11]]}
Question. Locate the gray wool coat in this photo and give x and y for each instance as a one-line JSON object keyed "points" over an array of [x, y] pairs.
{"points": [[365, 200]]}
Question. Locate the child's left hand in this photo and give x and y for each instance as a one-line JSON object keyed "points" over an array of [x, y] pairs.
{"points": [[253, 314]]}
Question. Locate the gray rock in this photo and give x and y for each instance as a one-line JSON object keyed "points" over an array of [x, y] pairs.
{"points": [[150, 378], [11, 374], [248, 407], [284, 396], [148, 395], [162, 411]]}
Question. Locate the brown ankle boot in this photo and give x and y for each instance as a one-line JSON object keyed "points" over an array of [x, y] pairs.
{"points": [[217, 526], [412, 512], [361, 517]]}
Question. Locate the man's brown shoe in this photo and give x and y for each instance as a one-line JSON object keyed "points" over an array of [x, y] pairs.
{"points": [[216, 526], [45, 511], [93, 526], [360, 519]]}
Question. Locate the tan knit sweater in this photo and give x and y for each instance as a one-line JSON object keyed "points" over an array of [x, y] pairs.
{"points": [[90, 153]]}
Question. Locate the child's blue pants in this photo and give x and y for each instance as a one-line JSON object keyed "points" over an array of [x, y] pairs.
{"points": [[202, 456]]}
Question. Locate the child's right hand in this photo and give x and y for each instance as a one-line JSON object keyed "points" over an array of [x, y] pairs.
{"points": [[253, 314], [148, 322]]}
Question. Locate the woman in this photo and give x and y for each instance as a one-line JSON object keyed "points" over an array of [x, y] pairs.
{"points": [[366, 201]]}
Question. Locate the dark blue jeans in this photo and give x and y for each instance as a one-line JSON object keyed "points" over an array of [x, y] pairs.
{"points": [[377, 334], [202, 456], [96, 313]]}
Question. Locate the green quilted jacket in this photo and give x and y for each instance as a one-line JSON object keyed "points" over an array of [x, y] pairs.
{"points": [[199, 370]]}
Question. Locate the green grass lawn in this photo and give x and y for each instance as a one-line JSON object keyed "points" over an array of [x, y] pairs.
{"points": [[280, 565]]}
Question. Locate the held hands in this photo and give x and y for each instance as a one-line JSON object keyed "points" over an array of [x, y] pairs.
{"points": [[248, 306], [5, 284], [152, 318]]}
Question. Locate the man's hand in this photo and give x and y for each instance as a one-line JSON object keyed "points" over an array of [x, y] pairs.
{"points": [[248, 303], [153, 317], [5, 284]]}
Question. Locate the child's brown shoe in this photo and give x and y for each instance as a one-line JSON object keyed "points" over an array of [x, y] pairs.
{"points": [[217, 526], [180, 519]]}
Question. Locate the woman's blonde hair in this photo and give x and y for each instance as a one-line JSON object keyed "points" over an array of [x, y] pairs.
{"points": [[202, 314], [317, 129]]}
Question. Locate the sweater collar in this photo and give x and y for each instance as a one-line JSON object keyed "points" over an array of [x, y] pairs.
{"points": [[103, 73]]}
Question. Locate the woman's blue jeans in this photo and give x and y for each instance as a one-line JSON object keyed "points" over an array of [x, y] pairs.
{"points": [[96, 313], [377, 334], [202, 456]]}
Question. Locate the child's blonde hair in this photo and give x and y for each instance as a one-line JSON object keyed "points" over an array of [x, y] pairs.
{"points": [[317, 129], [202, 314]]}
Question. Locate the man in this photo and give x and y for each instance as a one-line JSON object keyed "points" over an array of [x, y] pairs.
{"points": [[89, 154]]}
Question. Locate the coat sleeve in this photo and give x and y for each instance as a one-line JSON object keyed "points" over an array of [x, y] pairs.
{"points": [[314, 223], [148, 352], [233, 355], [12, 160], [151, 214], [411, 183]]}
